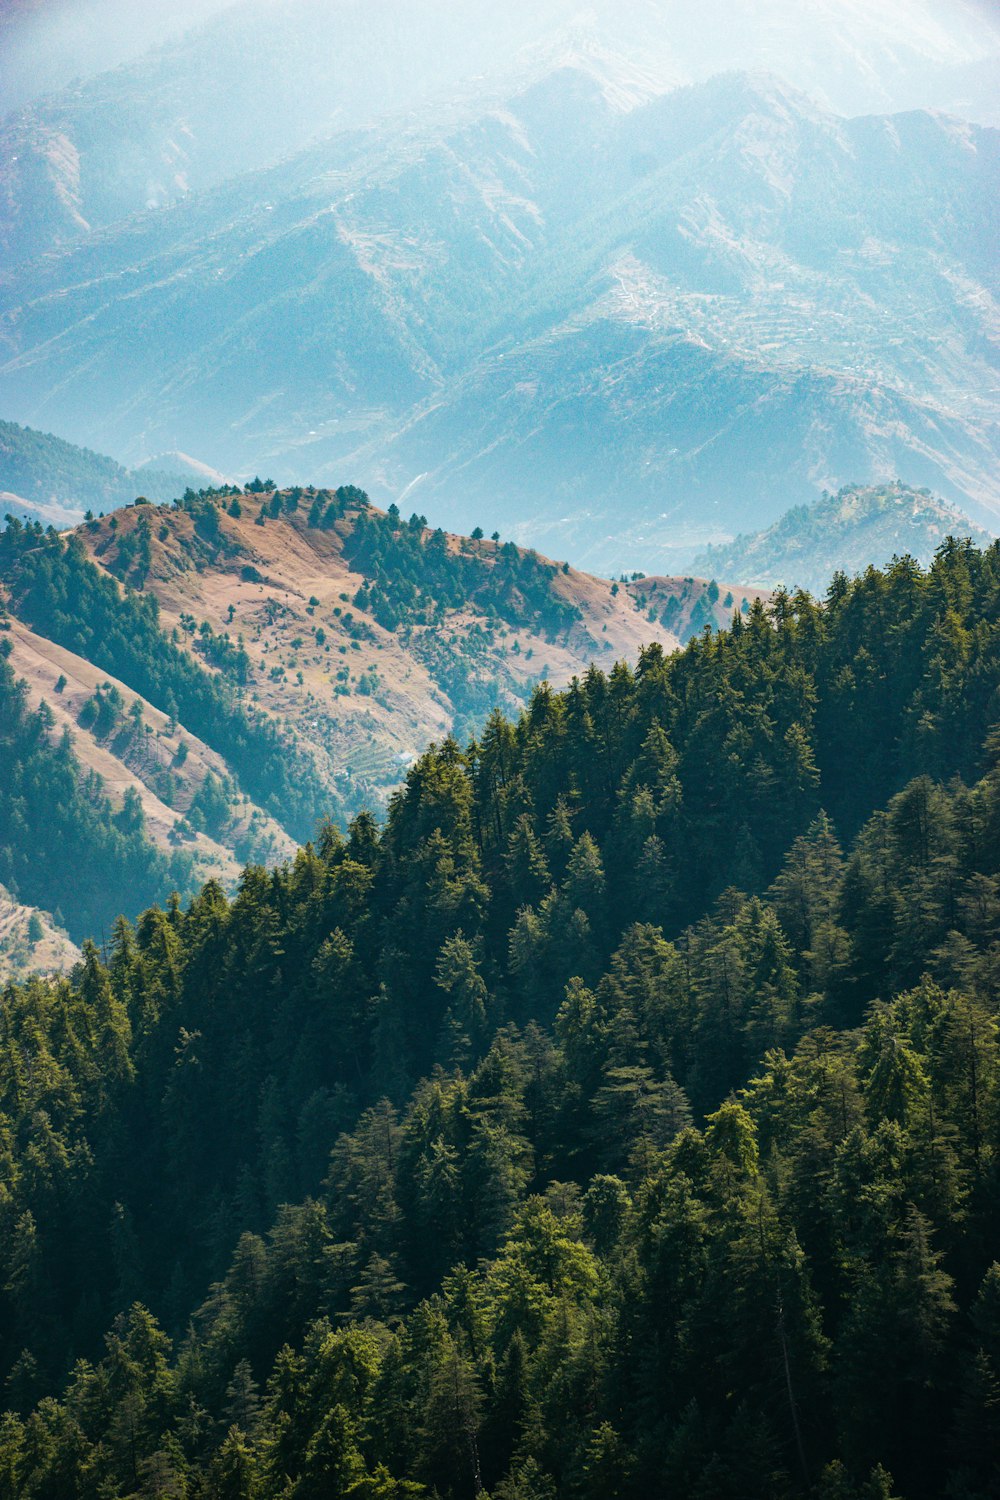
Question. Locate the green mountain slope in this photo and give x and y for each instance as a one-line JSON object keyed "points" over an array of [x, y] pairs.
{"points": [[846, 532], [620, 1121], [39, 471]]}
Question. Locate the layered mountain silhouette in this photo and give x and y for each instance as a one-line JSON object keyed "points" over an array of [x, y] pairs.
{"points": [[262, 79], [43, 478], [614, 323]]}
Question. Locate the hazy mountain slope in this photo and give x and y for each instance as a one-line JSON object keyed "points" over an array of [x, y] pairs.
{"points": [[624, 448], [694, 313], [53, 481], [46, 45], [181, 464], [146, 134], [847, 532], [187, 115], [767, 288], [324, 288], [57, 516]]}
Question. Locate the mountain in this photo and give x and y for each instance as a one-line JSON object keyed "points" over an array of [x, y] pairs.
{"points": [[209, 680], [619, 1120], [47, 45], [842, 533], [144, 134], [624, 332], [44, 478], [182, 464]]}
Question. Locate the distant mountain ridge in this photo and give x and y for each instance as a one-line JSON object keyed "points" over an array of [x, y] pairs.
{"points": [[617, 332], [146, 134], [45, 478], [859, 527]]}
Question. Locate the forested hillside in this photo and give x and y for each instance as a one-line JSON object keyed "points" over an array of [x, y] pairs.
{"points": [[860, 525], [44, 471], [63, 845], [241, 665], [621, 1120]]}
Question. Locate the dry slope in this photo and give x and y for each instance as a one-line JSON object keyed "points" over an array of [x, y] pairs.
{"points": [[324, 631]]}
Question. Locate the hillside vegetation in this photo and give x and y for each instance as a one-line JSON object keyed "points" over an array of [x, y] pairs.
{"points": [[844, 533], [241, 666], [362, 633], [63, 845], [621, 1120], [41, 473]]}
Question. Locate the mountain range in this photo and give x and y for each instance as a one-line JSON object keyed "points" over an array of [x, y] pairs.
{"points": [[118, 140], [615, 317], [473, 1024]]}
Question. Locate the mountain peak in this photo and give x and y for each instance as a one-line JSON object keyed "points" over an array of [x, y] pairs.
{"points": [[182, 464], [858, 526], [625, 82]]}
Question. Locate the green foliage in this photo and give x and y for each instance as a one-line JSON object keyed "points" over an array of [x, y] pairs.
{"points": [[613, 1122], [41, 467], [62, 845], [410, 573], [60, 592]]}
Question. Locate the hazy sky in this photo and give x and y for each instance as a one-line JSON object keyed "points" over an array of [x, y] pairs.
{"points": [[44, 44]]}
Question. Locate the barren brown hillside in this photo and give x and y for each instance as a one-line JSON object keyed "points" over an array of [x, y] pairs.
{"points": [[365, 698], [31, 942], [132, 760]]}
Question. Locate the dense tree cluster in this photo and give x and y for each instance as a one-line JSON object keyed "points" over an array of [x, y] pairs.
{"points": [[63, 595], [464, 665], [230, 657], [412, 575], [621, 1120], [62, 845]]}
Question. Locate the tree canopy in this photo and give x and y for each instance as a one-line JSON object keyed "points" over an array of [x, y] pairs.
{"points": [[621, 1119]]}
